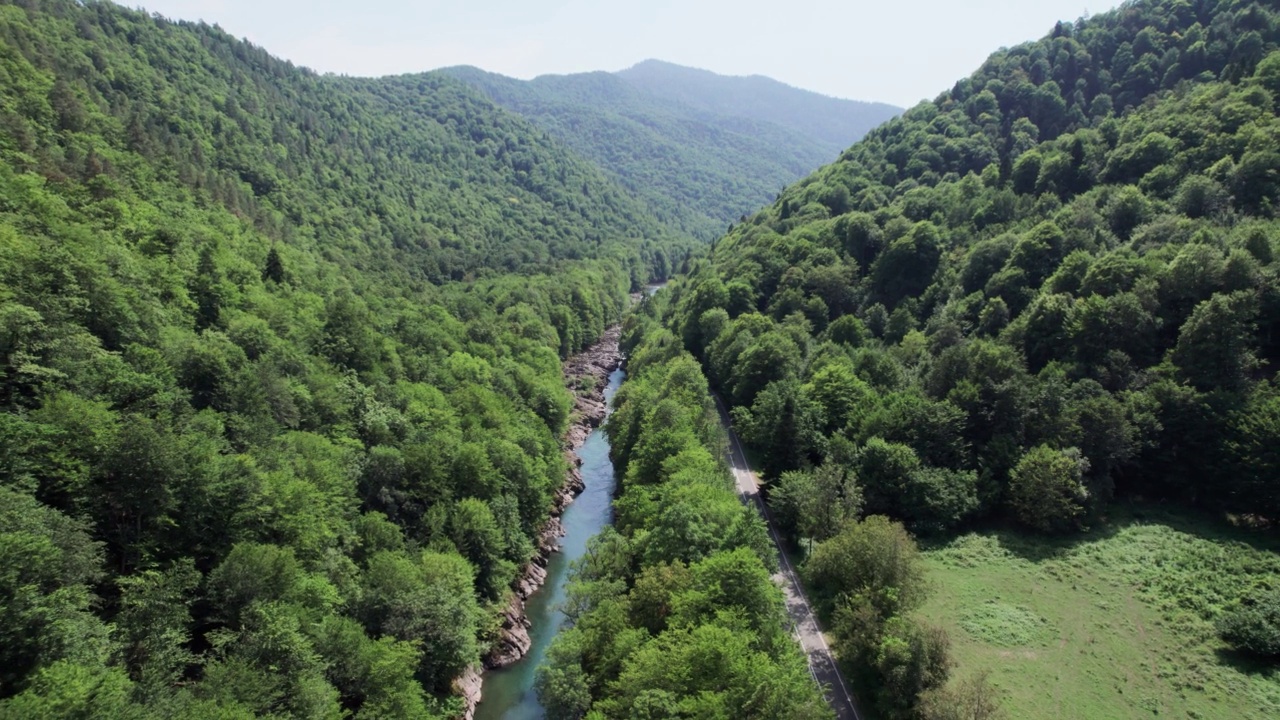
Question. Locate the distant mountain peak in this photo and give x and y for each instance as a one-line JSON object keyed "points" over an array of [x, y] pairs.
{"points": [[654, 65], [760, 98]]}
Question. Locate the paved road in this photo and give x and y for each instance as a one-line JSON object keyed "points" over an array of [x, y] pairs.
{"points": [[821, 663]]}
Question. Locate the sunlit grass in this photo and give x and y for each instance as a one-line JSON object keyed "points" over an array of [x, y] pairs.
{"points": [[1115, 624]]}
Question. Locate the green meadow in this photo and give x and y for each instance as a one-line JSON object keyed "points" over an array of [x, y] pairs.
{"points": [[1117, 623]]}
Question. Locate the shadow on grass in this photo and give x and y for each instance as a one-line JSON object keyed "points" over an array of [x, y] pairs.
{"points": [[1200, 523], [1249, 664], [1036, 547], [1025, 544]]}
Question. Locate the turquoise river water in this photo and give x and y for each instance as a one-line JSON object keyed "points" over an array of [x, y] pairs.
{"points": [[509, 693]]}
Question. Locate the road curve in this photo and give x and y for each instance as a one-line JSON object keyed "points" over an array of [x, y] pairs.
{"points": [[822, 663]]}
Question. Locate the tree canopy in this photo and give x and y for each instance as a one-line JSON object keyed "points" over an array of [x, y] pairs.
{"points": [[280, 386], [673, 612], [1051, 286]]}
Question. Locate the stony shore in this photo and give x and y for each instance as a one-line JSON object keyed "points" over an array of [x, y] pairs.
{"points": [[590, 368]]}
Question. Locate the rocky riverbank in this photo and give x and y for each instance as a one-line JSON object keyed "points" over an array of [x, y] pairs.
{"points": [[586, 374]]}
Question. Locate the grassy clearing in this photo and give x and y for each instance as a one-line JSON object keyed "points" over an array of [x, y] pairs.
{"points": [[1117, 624]]}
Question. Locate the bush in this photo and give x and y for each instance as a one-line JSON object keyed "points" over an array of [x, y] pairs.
{"points": [[1046, 491], [1254, 627], [972, 699]]}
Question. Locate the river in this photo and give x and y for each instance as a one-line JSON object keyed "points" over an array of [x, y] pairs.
{"points": [[509, 693]]}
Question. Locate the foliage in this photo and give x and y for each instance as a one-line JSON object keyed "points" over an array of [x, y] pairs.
{"points": [[1254, 627], [1253, 449], [815, 503], [1071, 248], [674, 613], [971, 699], [699, 150], [867, 581], [873, 558], [1045, 490], [280, 384]]}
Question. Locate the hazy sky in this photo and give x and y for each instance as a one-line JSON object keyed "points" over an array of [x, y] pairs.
{"points": [[897, 51]]}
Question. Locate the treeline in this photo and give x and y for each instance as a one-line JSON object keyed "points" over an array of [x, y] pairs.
{"points": [[1053, 286], [672, 612], [253, 463]]}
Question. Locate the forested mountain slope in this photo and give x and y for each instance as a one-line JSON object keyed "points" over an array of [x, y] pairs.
{"points": [[400, 164], [832, 121], [1053, 285], [258, 457], [696, 165]]}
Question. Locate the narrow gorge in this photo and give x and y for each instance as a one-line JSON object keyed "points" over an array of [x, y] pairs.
{"points": [[582, 509]]}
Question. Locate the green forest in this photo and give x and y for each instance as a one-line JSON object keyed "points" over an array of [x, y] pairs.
{"points": [[283, 415], [757, 100], [1050, 290], [279, 368], [673, 613], [700, 150]]}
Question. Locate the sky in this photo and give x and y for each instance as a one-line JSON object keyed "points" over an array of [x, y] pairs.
{"points": [[895, 51]]}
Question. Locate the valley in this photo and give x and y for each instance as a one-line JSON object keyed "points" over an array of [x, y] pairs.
{"points": [[699, 150], [657, 393]]}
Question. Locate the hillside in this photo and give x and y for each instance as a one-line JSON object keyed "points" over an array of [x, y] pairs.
{"points": [[280, 391], [1050, 288], [404, 164], [835, 122], [698, 167]]}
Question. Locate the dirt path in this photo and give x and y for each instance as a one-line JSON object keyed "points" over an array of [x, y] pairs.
{"points": [[804, 623]]}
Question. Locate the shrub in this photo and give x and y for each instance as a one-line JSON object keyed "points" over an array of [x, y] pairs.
{"points": [[1254, 627]]}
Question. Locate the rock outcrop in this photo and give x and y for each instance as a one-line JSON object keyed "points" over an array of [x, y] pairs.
{"points": [[468, 688]]}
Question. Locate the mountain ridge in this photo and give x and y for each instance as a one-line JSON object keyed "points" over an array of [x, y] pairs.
{"points": [[789, 105], [696, 167]]}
